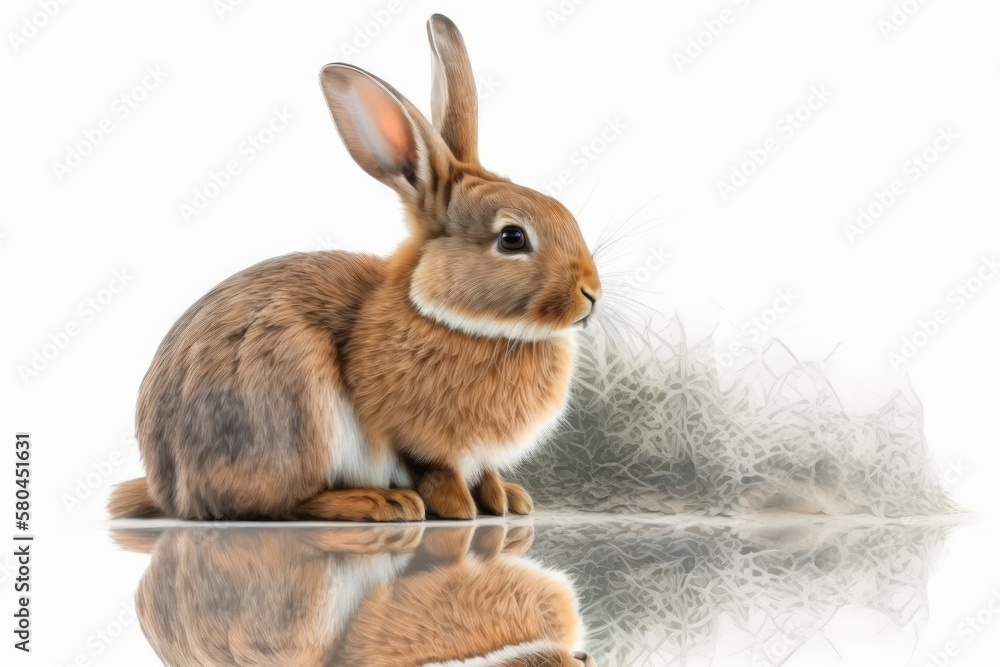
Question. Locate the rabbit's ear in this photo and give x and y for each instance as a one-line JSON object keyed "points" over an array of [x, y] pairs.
{"points": [[454, 98], [385, 134]]}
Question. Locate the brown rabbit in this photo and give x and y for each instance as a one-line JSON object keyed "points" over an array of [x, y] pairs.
{"points": [[330, 385], [354, 597]]}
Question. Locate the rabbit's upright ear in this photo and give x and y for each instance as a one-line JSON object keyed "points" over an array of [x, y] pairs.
{"points": [[454, 98], [385, 134]]}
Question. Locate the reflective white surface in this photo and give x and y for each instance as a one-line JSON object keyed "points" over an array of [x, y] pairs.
{"points": [[789, 590]]}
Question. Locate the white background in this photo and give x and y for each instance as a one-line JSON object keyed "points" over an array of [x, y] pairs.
{"points": [[556, 76]]}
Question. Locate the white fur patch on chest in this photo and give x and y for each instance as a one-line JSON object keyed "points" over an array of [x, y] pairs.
{"points": [[353, 462]]}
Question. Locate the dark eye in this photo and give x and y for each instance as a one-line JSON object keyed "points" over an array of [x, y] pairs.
{"points": [[512, 239]]}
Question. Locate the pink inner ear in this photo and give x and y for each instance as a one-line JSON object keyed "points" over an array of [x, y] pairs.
{"points": [[390, 124]]}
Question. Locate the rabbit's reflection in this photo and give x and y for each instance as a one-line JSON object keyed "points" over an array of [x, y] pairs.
{"points": [[392, 596]]}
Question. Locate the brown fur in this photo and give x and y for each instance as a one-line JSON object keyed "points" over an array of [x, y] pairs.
{"points": [[489, 605], [495, 496], [236, 596], [250, 597], [267, 338], [453, 356], [131, 500], [397, 359], [364, 505], [490, 494]]}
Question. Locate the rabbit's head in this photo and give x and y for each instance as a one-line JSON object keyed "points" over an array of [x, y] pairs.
{"points": [[487, 257]]}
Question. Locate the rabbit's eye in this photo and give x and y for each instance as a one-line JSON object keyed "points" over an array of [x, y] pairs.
{"points": [[512, 239]]}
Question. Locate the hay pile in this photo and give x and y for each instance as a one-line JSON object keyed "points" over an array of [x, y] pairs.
{"points": [[651, 427]]}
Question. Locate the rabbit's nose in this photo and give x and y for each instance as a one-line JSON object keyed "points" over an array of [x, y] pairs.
{"points": [[591, 287], [584, 659], [591, 303]]}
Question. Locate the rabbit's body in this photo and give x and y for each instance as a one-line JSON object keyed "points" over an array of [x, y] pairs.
{"points": [[354, 597], [246, 388], [331, 385], [308, 372]]}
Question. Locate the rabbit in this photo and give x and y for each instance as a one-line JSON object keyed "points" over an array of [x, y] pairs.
{"points": [[339, 386], [353, 596]]}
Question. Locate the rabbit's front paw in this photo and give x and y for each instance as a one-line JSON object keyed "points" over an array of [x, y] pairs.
{"points": [[446, 495], [497, 497], [518, 500], [490, 495]]}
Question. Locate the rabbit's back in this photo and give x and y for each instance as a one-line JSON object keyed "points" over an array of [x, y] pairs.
{"points": [[237, 410]]}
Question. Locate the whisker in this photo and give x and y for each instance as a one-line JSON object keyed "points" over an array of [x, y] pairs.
{"points": [[601, 241], [633, 235], [579, 213]]}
